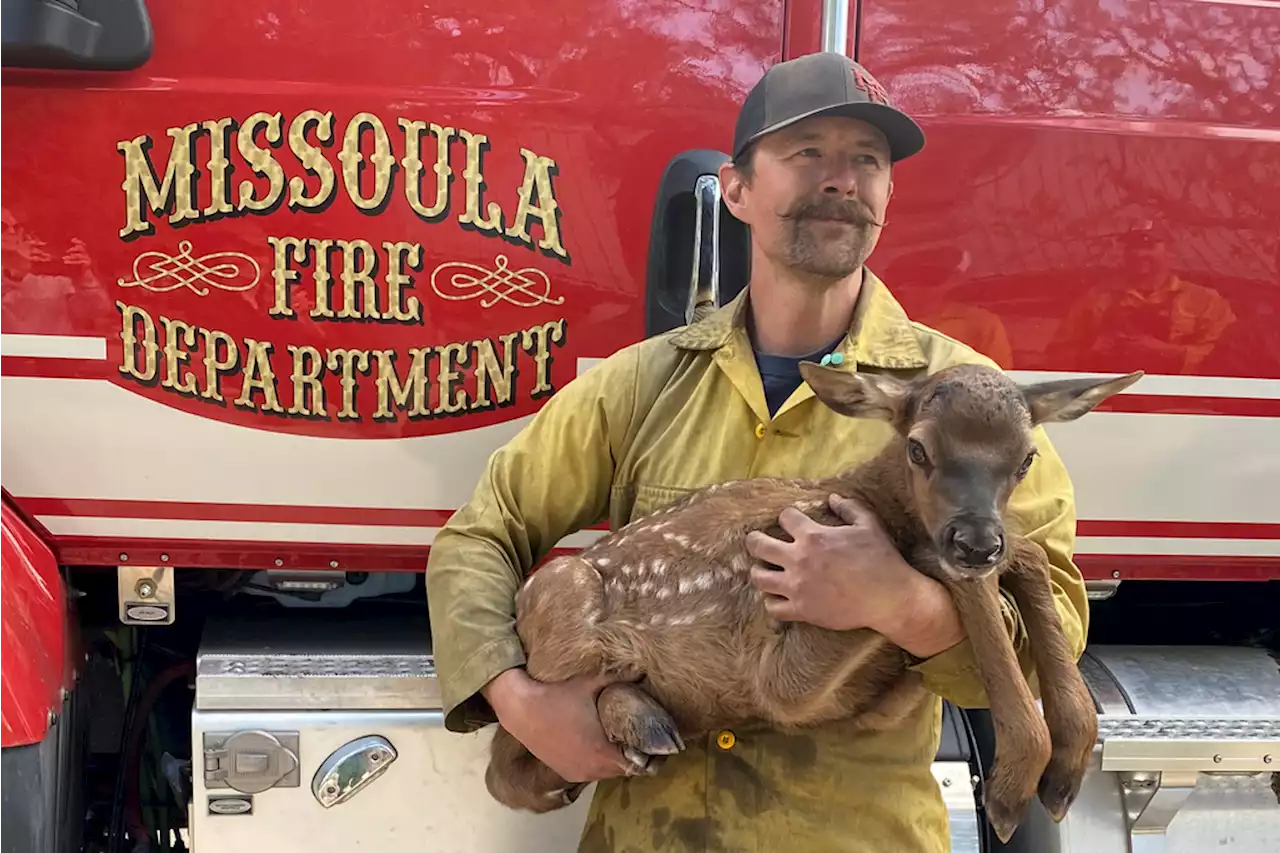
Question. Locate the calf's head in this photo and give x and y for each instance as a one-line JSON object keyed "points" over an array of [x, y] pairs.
{"points": [[966, 438]]}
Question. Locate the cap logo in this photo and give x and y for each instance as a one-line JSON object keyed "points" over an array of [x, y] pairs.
{"points": [[869, 86]]}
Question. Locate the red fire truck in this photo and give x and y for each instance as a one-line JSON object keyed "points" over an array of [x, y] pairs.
{"points": [[279, 277]]}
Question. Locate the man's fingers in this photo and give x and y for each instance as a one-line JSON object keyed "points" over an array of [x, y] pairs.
{"points": [[770, 581], [781, 609], [851, 511], [764, 547], [794, 521]]}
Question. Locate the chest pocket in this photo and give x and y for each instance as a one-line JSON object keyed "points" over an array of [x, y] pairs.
{"points": [[636, 501]]}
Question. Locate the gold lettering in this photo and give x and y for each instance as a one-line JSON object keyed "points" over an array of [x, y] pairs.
{"points": [[282, 274], [130, 314], [410, 312], [219, 168], [307, 379], [213, 365], [541, 337], [364, 275], [348, 361], [476, 143], [175, 330], [390, 388], [322, 278], [261, 160], [452, 399], [412, 164], [176, 190], [258, 375], [488, 372], [537, 176], [312, 158], [381, 159]]}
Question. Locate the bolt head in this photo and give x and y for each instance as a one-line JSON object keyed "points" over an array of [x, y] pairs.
{"points": [[333, 564], [146, 588], [1266, 759], [1217, 759], [1116, 573], [164, 558], [279, 562]]}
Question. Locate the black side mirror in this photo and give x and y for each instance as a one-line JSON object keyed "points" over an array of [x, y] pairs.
{"points": [[85, 35], [699, 254]]}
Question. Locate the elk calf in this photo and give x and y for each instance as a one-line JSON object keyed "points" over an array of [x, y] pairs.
{"points": [[666, 605]]}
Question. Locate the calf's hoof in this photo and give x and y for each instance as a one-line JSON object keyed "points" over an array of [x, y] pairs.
{"points": [[634, 719], [1060, 783], [641, 764], [1004, 819], [1006, 801]]}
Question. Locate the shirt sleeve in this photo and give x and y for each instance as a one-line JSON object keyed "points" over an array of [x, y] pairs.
{"points": [[1042, 508], [551, 480]]}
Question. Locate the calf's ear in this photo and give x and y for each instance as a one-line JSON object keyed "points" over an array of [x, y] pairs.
{"points": [[1067, 399], [856, 395]]}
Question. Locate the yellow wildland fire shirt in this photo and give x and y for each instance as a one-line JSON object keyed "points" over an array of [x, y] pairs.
{"points": [[655, 420]]}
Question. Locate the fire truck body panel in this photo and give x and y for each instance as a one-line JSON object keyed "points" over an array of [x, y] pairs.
{"points": [[1030, 210], [479, 282], [39, 646]]}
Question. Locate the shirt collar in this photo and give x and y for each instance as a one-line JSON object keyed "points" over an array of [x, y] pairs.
{"points": [[880, 334]]}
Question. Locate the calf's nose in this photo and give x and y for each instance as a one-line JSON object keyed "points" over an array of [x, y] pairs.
{"points": [[975, 545]]}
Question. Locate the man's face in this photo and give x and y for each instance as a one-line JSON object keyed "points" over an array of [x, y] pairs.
{"points": [[817, 193]]}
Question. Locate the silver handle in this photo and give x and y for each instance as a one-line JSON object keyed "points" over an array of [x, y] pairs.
{"points": [[835, 26], [704, 290]]}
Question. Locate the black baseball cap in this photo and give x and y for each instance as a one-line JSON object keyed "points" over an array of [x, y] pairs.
{"points": [[823, 84]]}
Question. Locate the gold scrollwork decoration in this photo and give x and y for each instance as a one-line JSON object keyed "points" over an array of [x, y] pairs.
{"points": [[161, 273], [524, 288]]}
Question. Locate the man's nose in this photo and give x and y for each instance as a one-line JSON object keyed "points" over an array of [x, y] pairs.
{"points": [[841, 179]]}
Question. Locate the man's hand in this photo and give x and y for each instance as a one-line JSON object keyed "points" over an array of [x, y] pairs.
{"points": [[849, 577], [558, 723]]}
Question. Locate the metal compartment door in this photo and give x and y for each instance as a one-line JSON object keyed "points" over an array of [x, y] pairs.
{"points": [[427, 796]]}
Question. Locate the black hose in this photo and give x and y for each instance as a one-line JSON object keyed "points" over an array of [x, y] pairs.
{"points": [[116, 831]]}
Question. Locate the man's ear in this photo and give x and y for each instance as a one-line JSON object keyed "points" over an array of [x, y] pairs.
{"points": [[856, 395], [731, 187], [1067, 399]]}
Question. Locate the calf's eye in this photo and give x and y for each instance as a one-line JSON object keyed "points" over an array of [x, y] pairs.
{"points": [[1026, 465], [915, 451]]}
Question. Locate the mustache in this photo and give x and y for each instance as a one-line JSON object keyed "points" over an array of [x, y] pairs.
{"points": [[828, 208]]}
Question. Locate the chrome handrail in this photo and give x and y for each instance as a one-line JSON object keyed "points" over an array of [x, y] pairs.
{"points": [[704, 290], [835, 26]]}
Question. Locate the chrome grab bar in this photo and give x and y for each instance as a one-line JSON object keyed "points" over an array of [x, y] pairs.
{"points": [[835, 26], [704, 290]]}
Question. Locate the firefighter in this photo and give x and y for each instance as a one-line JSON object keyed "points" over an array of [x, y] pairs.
{"points": [[719, 399]]}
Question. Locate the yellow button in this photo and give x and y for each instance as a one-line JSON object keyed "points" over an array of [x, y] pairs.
{"points": [[726, 739], [759, 430]]}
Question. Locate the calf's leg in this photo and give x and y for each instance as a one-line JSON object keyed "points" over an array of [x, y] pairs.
{"points": [[1068, 706], [1022, 739], [636, 721], [809, 675], [557, 610], [516, 778]]}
